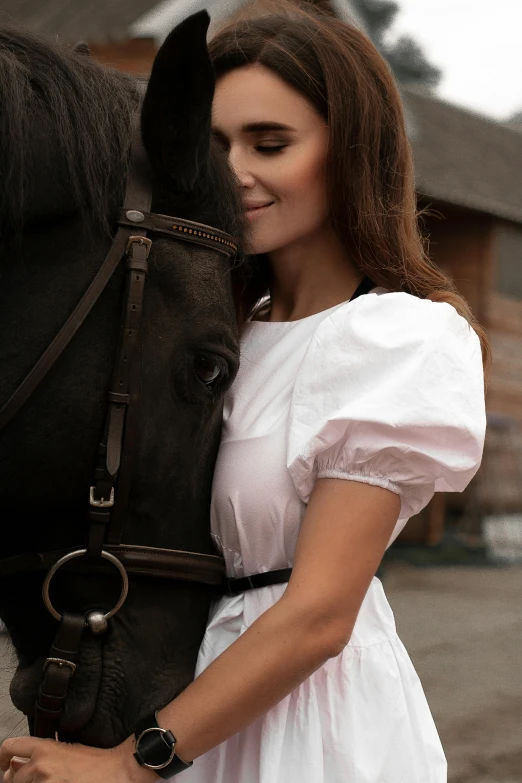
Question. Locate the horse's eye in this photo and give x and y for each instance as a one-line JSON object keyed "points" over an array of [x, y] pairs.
{"points": [[207, 369]]}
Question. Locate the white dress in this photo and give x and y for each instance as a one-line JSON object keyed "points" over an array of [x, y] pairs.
{"points": [[386, 389]]}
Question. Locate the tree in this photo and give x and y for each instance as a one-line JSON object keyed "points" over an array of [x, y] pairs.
{"points": [[405, 56]]}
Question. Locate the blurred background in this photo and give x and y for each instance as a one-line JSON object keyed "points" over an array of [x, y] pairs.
{"points": [[454, 576]]}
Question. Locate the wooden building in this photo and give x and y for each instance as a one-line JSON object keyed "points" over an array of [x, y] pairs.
{"points": [[468, 171], [468, 174]]}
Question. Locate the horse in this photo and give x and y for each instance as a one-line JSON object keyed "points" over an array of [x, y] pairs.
{"points": [[66, 125]]}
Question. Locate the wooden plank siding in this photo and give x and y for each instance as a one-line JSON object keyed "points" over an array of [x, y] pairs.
{"points": [[503, 320], [134, 55], [461, 243]]}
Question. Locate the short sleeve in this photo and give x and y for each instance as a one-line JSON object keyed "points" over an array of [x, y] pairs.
{"points": [[390, 392]]}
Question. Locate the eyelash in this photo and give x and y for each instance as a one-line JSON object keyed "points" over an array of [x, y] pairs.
{"points": [[270, 150]]}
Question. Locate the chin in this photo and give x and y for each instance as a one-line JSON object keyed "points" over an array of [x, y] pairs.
{"points": [[263, 243]]}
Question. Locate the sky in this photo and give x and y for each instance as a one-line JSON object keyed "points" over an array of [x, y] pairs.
{"points": [[478, 46]]}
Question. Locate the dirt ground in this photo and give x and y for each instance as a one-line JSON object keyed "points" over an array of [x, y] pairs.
{"points": [[463, 629]]}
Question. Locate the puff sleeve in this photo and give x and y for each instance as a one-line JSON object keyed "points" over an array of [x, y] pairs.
{"points": [[390, 392]]}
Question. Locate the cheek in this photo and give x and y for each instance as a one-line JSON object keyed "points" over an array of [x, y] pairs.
{"points": [[302, 179], [301, 206]]}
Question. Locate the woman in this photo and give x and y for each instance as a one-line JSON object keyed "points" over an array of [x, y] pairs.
{"points": [[360, 393]]}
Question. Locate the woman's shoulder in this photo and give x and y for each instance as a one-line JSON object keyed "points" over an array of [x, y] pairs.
{"points": [[391, 387], [394, 320], [390, 340]]}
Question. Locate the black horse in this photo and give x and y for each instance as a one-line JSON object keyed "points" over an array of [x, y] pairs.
{"points": [[65, 127]]}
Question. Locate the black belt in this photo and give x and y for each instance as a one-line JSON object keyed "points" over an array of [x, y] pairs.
{"points": [[264, 579]]}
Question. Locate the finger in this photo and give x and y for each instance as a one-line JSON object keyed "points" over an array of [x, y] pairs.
{"points": [[17, 763], [8, 776], [18, 746], [24, 774]]}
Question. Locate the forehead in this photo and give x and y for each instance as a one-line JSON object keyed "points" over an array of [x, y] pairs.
{"points": [[253, 94]]}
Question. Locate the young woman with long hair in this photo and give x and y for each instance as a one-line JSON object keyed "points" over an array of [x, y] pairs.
{"points": [[360, 394]]}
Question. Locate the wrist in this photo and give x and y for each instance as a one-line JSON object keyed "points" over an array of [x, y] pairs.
{"points": [[133, 771]]}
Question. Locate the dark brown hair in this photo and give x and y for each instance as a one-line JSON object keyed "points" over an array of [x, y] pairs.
{"points": [[370, 175]]}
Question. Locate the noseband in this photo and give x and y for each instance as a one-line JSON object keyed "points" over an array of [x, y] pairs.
{"points": [[108, 495]]}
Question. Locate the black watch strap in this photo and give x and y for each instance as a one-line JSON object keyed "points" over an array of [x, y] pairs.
{"points": [[155, 748]]}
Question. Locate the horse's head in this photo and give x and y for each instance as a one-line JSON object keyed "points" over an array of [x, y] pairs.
{"points": [[65, 133]]}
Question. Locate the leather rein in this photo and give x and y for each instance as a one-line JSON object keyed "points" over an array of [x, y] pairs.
{"points": [[109, 492]]}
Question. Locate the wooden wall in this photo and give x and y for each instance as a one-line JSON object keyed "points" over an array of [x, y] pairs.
{"points": [[471, 248], [461, 243], [504, 322], [502, 464], [134, 55]]}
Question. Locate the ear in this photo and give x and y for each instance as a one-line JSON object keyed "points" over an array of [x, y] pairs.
{"points": [[82, 48], [176, 112]]}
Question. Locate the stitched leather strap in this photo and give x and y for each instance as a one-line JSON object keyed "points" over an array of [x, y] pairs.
{"points": [[144, 560], [188, 230], [68, 330], [58, 670]]}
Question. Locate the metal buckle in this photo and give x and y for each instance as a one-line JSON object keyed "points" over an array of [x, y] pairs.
{"points": [[172, 749], [60, 662], [140, 241], [102, 503]]}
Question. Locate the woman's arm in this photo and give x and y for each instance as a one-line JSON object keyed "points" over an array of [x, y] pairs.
{"points": [[344, 534]]}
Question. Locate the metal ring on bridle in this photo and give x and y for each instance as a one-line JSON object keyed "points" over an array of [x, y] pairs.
{"points": [[80, 553]]}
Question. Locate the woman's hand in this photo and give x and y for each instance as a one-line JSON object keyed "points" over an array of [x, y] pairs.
{"points": [[33, 760]]}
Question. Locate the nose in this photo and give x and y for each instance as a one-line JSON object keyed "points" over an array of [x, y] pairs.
{"points": [[238, 165]]}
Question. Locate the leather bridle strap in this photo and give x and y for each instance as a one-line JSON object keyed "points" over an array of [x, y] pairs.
{"points": [[132, 221], [68, 330], [187, 230], [137, 203], [59, 667], [143, 560]]}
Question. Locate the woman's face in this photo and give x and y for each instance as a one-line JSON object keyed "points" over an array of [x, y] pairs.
{"points": [[277, 145]]}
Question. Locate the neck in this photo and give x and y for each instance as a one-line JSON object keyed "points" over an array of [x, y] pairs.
{"points": [[310, 275]]}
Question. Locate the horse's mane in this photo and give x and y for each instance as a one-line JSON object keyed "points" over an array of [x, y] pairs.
{"points": [[90, 107]]}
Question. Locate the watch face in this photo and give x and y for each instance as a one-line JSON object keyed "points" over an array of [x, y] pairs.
{"points": [[155, 748]]}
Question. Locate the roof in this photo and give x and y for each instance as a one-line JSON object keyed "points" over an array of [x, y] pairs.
{"points": [[464, 158], [75, 20], [98, 21], [158, 22]]}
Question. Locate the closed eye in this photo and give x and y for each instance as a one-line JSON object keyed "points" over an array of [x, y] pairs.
{"points": [[270, 150]]}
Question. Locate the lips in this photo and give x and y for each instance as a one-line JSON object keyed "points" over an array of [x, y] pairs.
{"points": [[254, 209]]}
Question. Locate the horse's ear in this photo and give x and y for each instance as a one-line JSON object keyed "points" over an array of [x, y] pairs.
{"points": [[82, 48], [176, 113]]}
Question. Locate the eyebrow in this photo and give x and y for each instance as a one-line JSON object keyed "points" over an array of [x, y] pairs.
{"points": [[256, 127], [260, 127]]}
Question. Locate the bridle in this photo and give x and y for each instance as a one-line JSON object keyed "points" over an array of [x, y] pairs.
{"points": [[109, 492]]}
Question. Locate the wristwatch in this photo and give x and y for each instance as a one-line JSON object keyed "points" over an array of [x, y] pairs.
{"points": [[156, 748]]}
